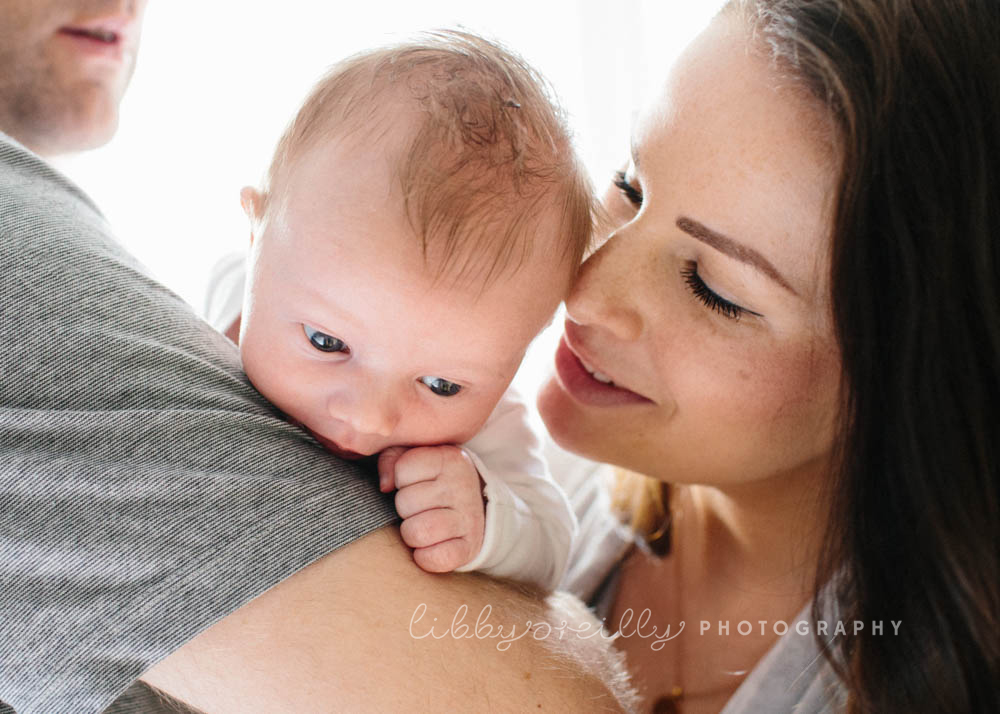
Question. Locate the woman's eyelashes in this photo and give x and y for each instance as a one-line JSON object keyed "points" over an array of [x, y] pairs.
{"points": [[441, 387], [689, 273], [708, 296], [324, 342], [630, 192]]}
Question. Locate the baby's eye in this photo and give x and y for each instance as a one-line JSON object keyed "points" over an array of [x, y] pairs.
{"points": [[325, 342], [441, 387]]}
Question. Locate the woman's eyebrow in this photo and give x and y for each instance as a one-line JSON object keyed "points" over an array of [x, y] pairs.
{"points": [[733, 249]]}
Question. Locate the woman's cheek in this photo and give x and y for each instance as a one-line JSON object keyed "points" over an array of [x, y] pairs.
{"points": [[748, 385], [788, 394]]}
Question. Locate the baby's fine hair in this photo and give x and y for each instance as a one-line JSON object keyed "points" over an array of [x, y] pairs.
{"points": [[490, 157]]}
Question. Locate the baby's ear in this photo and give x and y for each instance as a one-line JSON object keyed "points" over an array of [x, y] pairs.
{"points": [[252, 201]]}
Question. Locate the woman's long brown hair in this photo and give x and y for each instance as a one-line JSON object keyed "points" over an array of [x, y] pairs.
{"points": [[914, 533], [914, 536]]}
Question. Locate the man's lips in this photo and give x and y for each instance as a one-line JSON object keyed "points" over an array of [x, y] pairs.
{"points": [[106, 37], [582, 386], [117, 25]]}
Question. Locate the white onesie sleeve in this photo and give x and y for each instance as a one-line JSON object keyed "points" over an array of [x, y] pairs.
{"points": [[602, 540], [530, 526], [224, 294]]}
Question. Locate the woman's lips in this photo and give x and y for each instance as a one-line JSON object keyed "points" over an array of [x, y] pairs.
{"points": [[581, 385]]}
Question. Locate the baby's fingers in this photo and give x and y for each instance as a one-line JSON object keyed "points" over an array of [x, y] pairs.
{"points": [[443, 557], [422, 496], [387, 467], [430, 528]]}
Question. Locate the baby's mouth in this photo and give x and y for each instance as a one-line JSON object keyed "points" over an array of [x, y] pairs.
{"points": [[334, 448], [329, 444]]}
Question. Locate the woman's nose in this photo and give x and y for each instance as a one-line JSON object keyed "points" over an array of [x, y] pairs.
{"points": [[603, 294]]}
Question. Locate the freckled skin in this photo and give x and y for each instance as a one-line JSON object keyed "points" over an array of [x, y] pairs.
{"points": [[740, 413], [733, 400]]}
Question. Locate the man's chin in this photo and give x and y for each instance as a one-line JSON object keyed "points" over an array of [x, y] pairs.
{"points": [[72, 136]]}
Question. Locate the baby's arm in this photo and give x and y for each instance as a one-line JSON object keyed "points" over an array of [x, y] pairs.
{"points": [[529, 526]]}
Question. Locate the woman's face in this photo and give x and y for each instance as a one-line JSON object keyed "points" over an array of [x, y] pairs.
{"points": [[708, 306]]}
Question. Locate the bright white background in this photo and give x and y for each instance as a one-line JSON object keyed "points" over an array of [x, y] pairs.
{"points": [[217, 81]]}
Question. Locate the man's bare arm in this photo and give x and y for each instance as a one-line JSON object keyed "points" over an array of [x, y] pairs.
{"points": [[350, 633]]}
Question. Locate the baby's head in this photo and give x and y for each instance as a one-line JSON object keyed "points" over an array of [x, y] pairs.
{"points": [[422, 219]]}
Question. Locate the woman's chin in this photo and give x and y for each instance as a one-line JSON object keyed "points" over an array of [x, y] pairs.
{"points": [[566, 423], [573, 428]]}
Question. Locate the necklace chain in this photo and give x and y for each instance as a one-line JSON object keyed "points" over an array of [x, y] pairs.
{"points": [[661, 546]]}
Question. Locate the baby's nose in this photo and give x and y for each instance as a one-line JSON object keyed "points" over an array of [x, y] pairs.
{"points": [[371, 416]]}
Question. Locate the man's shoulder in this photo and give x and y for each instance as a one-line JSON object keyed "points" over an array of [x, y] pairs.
{"points": [[371, 627], [27, 178]]}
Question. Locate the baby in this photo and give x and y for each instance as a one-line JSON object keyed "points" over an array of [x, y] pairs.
{"points": [[422, 218]]}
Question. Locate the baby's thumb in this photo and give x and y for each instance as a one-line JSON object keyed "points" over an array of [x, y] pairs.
{"points": [[387, 467]]}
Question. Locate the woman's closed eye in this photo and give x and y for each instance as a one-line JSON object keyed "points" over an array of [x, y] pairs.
{"points": [[632, 194], [441, 387], [324, 342], [689, 272], [709, 297]]}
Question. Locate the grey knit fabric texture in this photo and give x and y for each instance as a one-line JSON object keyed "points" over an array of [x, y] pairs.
{"points": [[146, 489]]}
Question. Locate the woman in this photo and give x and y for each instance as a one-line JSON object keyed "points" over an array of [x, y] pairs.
{"points": [[796, 323]]}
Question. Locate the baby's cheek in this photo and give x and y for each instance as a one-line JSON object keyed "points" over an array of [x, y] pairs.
{"points": [[466, 421], [256, 359], [264, 369]]}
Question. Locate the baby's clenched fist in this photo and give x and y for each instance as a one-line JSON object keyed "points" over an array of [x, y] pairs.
{"points": [[440, 499]]}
